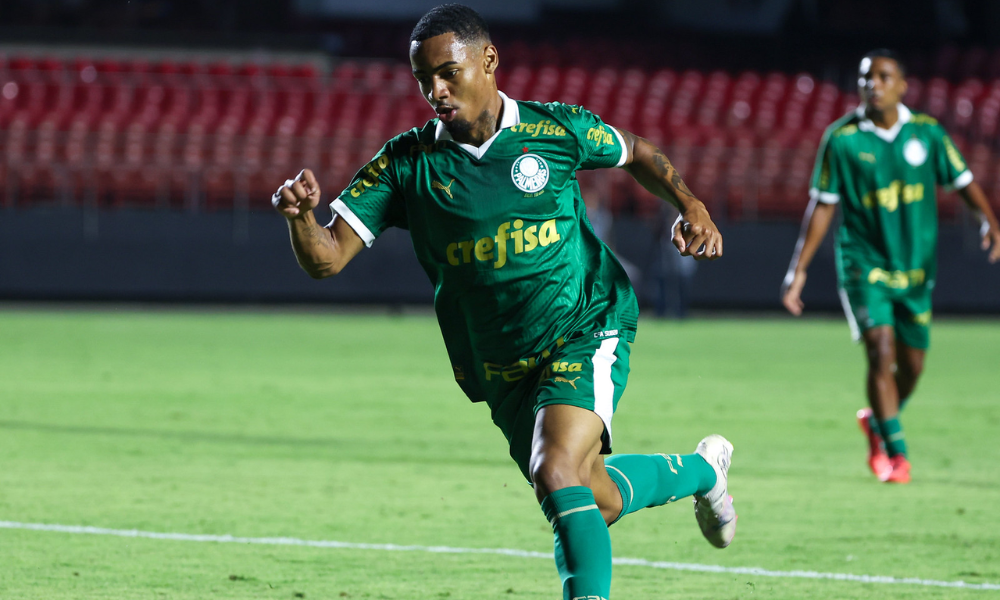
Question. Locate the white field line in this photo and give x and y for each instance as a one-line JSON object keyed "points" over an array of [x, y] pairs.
{"points": [[635, 562]]}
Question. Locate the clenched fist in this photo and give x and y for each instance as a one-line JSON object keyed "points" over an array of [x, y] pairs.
{"points": [[297, 196], [694, 234]]}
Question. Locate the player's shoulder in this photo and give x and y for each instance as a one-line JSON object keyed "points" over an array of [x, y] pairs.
{"points": [[926, 123], [843, 127], [412, 140], [564, 114]]}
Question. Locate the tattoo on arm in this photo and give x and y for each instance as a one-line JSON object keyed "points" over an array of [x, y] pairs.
{"points": [[317, 235], [667, 171]]}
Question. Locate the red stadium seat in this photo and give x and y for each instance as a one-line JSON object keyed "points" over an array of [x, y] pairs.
{"points": [[205, 133]]}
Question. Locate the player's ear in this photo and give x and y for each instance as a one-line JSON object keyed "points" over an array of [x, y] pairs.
{"points": [[491, 60]]}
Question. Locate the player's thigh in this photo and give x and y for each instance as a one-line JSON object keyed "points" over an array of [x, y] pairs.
{"points": [[912, 314], [868, 306], [588, 373]]}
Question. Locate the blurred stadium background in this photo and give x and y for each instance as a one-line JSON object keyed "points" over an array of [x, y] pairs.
{"points": [[140, 141]]}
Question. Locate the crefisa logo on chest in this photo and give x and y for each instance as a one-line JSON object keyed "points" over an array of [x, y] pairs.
{"points": [[530, 173]]}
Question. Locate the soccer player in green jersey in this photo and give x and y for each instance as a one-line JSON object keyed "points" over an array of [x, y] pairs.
{"points": [[536, 313], [882, 164]]}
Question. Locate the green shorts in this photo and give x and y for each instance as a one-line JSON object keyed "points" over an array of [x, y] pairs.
{"points": [[907, 311], [588, 371]]}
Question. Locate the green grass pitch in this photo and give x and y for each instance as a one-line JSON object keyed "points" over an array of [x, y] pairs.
{"points": [[348, 427]]}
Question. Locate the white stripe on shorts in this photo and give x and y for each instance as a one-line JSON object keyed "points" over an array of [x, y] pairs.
{"points": [[604, 388], [851, 321]]}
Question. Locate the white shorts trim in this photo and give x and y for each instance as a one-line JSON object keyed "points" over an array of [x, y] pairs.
{"points": [[851, 321], [338, 207], [604, 387]]}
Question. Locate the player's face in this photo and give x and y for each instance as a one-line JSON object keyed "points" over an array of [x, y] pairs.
{"points": [[455, 78], [880, 83]]}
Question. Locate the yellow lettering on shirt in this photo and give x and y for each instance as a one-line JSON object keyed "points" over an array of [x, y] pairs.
{"points": [[370, 174], [543, 127], [530, 238], [497, 248], [897, 280], [600, 136], [889, 197], [954, 156], [484, 249], [548, 233]]}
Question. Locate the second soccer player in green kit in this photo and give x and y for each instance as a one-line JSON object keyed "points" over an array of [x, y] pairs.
{"points": [[536, 313], [883, 164]]}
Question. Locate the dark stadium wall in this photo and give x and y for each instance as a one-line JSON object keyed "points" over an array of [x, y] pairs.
{"points": [[132, 255]]}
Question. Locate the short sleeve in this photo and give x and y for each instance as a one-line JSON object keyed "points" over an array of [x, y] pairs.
{"points": [[826, 178], [372, 202], [949, 164], [601, 146]]}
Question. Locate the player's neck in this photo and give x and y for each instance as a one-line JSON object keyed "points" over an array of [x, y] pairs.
{"points": [[884, 119], [485, 125]]}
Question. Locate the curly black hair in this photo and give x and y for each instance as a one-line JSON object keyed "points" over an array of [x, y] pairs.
{"points": [[467, 25], [886, 53]]}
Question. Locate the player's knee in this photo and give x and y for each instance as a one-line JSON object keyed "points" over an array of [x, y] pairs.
{"points": [[881, 353], [555, 470]]}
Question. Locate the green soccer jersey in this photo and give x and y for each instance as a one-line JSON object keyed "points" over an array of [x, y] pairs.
{"points": [[502, 232], [886, 182]]}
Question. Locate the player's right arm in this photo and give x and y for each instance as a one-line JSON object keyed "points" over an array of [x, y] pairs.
{"points": [[824, 196], [321, 251], [815, 224]]}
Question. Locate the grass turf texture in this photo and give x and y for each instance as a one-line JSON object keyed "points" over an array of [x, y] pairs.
{"points": [[349, 428]]}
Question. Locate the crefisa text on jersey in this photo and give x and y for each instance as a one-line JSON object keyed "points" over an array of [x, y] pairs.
{"points": [[485, 249]]}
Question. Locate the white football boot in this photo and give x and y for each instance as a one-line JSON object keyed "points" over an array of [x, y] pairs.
{"points": [[714, 511]]}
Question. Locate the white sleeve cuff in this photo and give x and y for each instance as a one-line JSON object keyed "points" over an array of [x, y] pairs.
{"points": [[621, 144], [960, 182], [824, 197], [338, 207]]}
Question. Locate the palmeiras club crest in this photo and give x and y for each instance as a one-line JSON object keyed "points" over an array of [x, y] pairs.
{"points": [[530, 173], [915, 152]]}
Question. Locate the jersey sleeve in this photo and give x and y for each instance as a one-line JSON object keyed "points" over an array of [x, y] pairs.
{"points": [[949, 164], [372, 202], [600, 145], [827, 175]]}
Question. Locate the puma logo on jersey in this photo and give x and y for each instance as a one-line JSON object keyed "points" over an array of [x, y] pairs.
{"points": [[561, 379], [437, 185]]}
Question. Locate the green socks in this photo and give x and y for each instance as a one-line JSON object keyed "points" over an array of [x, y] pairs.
{"points": [[582, 543], [892, 435], [647, 480], [873, 422]]}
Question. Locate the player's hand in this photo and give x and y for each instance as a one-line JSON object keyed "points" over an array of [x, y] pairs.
{"points": [[991, 237], [791, 292], [297, 196], [696, 235]]}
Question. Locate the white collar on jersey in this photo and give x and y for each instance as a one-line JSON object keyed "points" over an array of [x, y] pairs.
{"points": [[890, 134], [511, 116]]}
